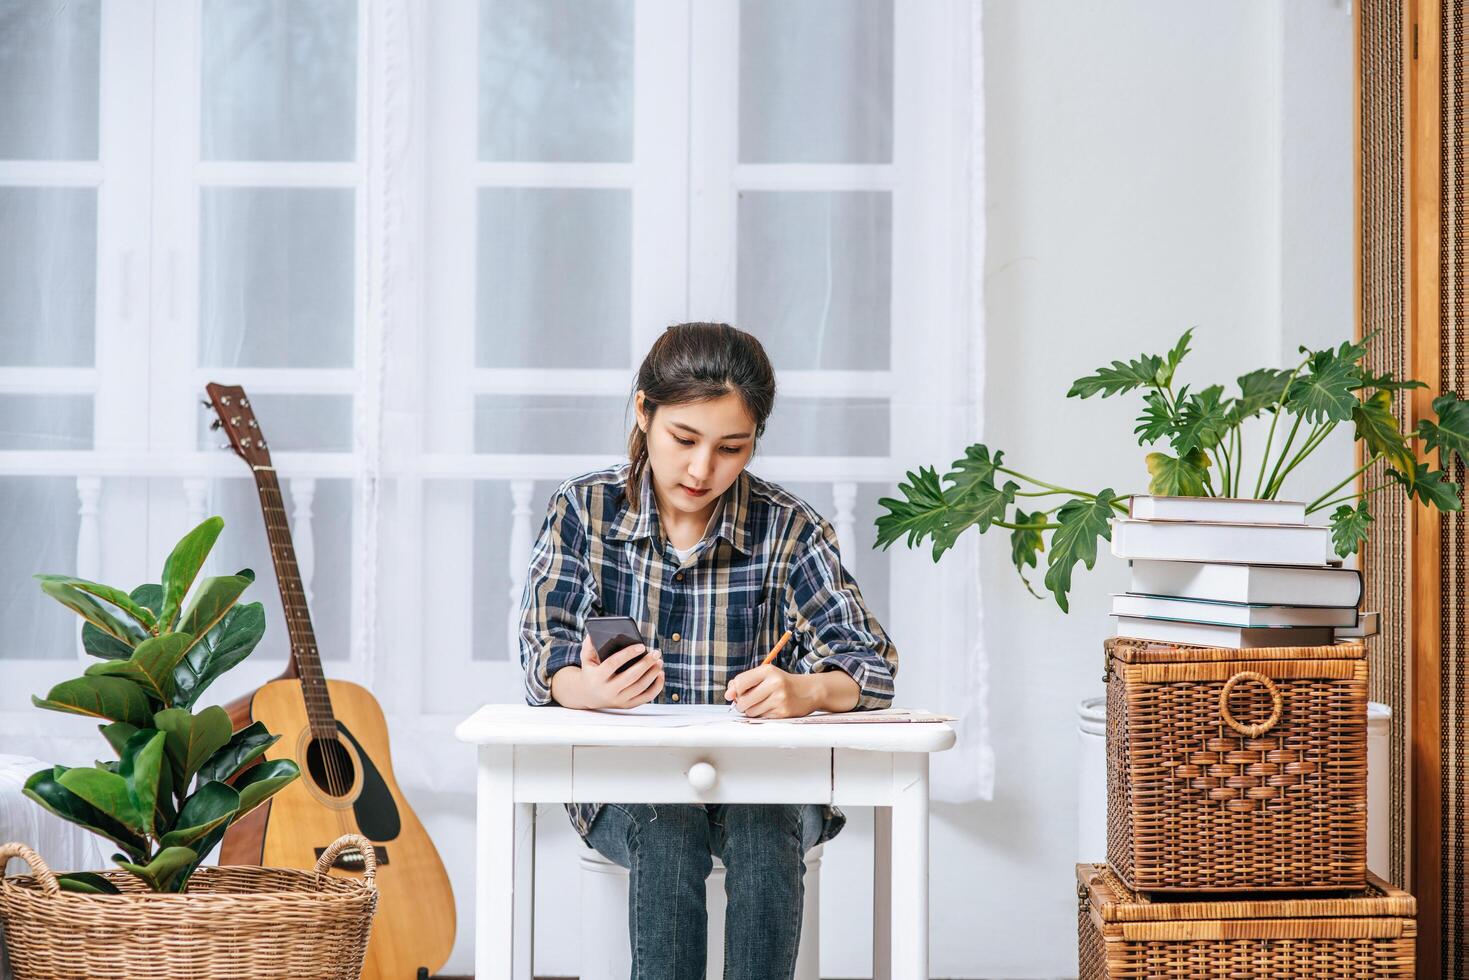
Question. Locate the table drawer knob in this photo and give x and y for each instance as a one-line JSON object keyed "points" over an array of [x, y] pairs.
{"points": [[702, 776]]}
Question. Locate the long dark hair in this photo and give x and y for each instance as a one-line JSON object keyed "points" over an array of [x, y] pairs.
{"points": [[696, 362]]}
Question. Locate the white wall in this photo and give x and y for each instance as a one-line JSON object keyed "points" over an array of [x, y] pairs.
{"points": [[1151, 166]]}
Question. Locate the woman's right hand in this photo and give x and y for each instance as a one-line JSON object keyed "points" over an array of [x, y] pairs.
{"points": [[599, 685]]}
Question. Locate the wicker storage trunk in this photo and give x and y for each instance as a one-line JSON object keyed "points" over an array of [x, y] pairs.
{"points": [[1363, 935], [1236, 769]]}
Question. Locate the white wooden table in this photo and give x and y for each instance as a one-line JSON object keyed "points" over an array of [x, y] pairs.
{"points": [[686, 754]]}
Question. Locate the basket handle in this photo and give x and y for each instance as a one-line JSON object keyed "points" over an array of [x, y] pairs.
{"points": [[363, 846], [39, 868], [1277, 704]]}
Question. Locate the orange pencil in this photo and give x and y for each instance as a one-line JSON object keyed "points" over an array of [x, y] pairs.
{"points": [[770, 657]]}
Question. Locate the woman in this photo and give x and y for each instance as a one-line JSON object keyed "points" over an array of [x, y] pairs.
{"points": [[714, 564]]}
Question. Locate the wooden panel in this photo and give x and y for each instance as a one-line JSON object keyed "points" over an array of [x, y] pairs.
{"points": [[602, 774]]}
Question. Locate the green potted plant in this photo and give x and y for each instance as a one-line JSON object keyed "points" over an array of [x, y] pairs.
{"points": [[181, 777], [1205, 455]]}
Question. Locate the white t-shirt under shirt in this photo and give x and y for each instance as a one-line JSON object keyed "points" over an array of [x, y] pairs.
{"points": [[683, 553]]}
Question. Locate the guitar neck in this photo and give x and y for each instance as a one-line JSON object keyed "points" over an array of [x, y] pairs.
{"points": [[305, 660]]}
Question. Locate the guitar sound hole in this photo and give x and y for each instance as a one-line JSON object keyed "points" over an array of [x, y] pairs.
{"points": [[330, 766]]}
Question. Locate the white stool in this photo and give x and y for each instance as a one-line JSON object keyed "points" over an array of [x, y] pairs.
{"points": [[605, 953]]}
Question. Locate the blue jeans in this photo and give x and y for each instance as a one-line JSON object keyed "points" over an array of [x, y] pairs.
{"points": [[668, 850]]}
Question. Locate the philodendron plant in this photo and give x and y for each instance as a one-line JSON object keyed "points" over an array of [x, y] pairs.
{"points": [[181, 777], [1204, 430]]}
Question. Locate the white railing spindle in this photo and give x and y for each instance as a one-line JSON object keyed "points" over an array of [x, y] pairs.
{"points": [[303, 536], [844, 498], [519, 559]]}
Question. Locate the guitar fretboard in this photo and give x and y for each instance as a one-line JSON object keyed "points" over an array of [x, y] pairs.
{"points": [[293, 599]]}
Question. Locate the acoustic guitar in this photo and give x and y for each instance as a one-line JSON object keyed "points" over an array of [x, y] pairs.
{"points": [[335, 731]]}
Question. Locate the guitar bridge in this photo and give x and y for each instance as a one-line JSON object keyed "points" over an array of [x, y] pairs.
{"points": [[351, 858]]}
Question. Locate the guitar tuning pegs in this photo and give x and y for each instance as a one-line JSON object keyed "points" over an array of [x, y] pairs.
{"points": [[206, 403], [224, 399], [260, 444], [244, 403], [245, 442], [216, 425], [234, 421], [254, 424]]}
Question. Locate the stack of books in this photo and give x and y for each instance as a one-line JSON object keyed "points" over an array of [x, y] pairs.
{"points": [[1223, 572]]}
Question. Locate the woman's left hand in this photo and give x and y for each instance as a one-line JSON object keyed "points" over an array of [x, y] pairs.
{"points": [[769, 692]]}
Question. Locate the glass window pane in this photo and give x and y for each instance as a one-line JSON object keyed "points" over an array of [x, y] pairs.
{"points": [[38, 533], [816, 81], [49, 79], [276, 280], [827, 427], [279, 80], [45, 422], [555, 278], [48, 276], [815, 276], [555, 80], [243, 545], [492, 601], [294, 423], [551, 424]]}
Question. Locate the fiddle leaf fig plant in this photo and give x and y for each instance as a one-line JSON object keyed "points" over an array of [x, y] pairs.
{"points": [[181, 777], [1198, 440]]}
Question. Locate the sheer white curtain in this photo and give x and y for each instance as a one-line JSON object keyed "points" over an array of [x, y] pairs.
{"points": [[433, 240]]}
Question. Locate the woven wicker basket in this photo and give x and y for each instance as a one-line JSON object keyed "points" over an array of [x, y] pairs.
{"points": [[1363, 935], [237, 922], [1236, 769]]}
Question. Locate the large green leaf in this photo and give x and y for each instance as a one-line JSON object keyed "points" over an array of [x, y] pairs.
{"points": [[1450, 434], [113, 698], [920, 514], [1157, 419], [140, 614], [245, 746], [1174, 357], [92, 611], [1432, 487], [1026, 543], [183, 565], [1259, 390], [1173, 477], [117, 734], [1325, 391], [99, 644], [192, 739], [231, 640], [1378, 428], [976, 467], [1121, 376], [107, 792], [87, 882], [141, 768], [1349, 527], [211, 805], [980, 507], [1081, 523], [261, 782], [151, 666], [45, 789], [1203, 420], [212, 600], [160, 872]]}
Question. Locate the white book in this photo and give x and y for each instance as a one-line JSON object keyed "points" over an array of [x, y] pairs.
{"points": [[1233, 637], [1281, 585], [1368, 624], [1230, 613], [1232, 510], [1251, 544]]}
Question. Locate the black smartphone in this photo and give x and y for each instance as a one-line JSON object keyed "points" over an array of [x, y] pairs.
{"points": [[612, 633]]}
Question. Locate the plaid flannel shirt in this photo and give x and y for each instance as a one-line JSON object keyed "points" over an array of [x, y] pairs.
{"points": [[768, 562]]}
